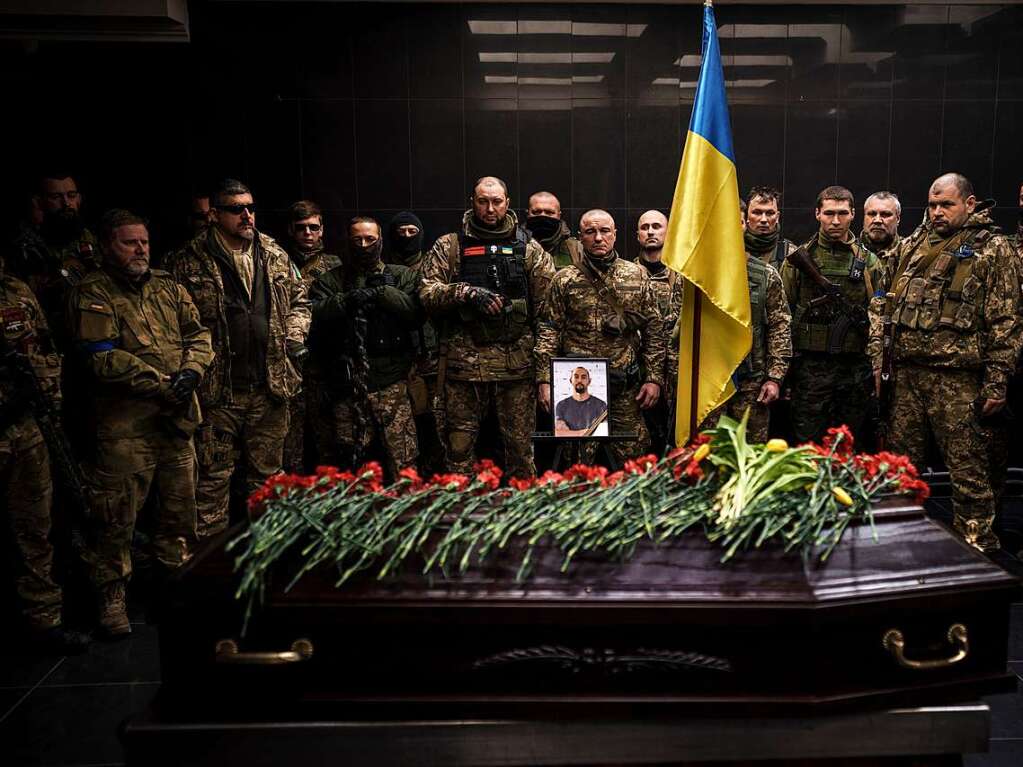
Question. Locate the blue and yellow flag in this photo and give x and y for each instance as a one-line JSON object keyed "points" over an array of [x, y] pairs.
{"points": [[704, 244]]}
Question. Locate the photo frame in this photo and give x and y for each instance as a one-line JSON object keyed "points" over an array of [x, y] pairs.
{"points": [[580, 398]]}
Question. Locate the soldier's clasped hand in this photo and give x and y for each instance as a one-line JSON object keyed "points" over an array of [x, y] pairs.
{"points": [[182, 384], [485, 301]]}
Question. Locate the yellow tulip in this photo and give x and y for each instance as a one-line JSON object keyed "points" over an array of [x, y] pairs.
{"points": [[701, 452], [841, 496], [776, 446]]}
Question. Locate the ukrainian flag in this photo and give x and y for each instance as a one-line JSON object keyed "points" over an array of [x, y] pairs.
{"points": [[704, 244]]}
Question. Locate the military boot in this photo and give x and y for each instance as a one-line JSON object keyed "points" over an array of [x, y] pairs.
{"points": [[113, 611]]}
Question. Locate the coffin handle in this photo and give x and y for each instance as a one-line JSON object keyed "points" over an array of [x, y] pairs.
{"points": [[227, 652], [895, 643]]}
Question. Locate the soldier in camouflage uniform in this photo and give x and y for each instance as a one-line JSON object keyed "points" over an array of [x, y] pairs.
{"points": [[252, 299], [882, 213], [954, 306], [763, 227], [405, 248], [544, 223], [831, 378], [53, 257], [147, 352], [311, 415], [26, 490], [365, 313], [759, 377], [604, 306], [485, 286], [667, 286]]}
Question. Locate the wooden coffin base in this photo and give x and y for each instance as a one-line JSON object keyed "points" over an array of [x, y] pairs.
{"points": [[930, 736]]}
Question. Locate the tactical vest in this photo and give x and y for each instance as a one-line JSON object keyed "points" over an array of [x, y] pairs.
{"points": [[755, 364], [812, 327], [942, 292], [500, 267]]}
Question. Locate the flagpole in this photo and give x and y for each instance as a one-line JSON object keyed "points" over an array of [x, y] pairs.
{"points": [[694, 381]]}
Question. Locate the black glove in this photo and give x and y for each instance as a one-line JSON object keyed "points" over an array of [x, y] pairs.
{"points": [[182, 384], [297, 352], [480, 299], [362, 297]]}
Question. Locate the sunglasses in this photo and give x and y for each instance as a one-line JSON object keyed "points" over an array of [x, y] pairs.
{"points": [[308, 227], [237, 209]]}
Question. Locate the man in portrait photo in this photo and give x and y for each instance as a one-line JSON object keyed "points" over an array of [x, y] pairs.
{"points": [[580, 414]]}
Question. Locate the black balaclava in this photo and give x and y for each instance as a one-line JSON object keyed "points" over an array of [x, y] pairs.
{"points": [[365, 258], [405, 247], [543, 228]]}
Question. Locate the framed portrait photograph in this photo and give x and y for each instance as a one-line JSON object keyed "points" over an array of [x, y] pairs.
{"points": [[580, 397]]}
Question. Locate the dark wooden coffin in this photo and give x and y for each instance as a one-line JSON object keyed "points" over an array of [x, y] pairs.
{"points": [[913, 617]]}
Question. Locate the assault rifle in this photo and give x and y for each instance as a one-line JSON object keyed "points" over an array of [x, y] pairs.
{"points": [[28, 391], [886, 393], [846, 315]]}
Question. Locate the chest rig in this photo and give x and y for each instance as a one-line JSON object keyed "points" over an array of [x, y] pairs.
{"points": [[941, 291], [501, 268], [755, 363], [820, 325]]}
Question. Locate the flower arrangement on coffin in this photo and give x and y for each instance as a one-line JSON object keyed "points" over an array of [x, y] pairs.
{"points": [[739, 494]]}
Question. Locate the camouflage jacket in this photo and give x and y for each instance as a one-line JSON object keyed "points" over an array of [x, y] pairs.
{"points": [[25, 331], [311, 268], [885, 256], [134, 337], [51, 271], [575, 322], [667, 285], [955, 304], [442, 296], [195, 267]]}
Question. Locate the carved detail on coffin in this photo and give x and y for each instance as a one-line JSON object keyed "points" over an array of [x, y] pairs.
{"points": [[603, 660]]}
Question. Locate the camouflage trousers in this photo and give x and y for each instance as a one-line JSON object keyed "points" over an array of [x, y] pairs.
{"points": [[254, 423], [429, 423], [466, 404], [626, 418], [389, 419], [124, 473], [940, 402], [829, 390], [310, 420], [26, 496], [744, 398]]}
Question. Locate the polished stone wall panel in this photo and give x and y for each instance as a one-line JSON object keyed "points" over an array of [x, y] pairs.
{"points": [[377, 107]]}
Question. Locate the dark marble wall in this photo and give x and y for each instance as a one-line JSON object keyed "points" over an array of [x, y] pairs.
{"points": [[374, 108]]}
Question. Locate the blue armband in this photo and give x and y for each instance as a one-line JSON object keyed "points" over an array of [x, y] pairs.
{"points": [[97, 346]]}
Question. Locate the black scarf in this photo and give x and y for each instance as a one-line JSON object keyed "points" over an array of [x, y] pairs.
{"points": [[602, 263], [761, 243], [549, 232]]}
